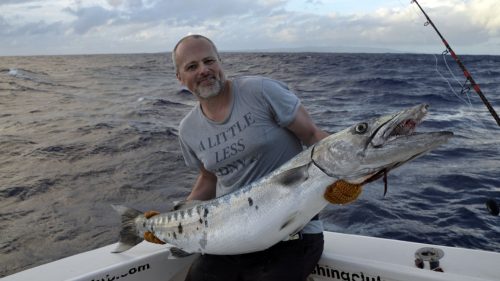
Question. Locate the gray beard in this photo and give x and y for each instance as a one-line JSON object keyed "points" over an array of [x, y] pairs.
{"points": [[212, 91]]}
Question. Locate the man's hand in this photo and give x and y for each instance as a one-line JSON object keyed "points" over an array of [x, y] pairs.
{"points": [[149, 236]]}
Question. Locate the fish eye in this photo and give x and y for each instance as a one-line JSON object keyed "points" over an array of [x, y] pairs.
{"points": [[361, 128]]}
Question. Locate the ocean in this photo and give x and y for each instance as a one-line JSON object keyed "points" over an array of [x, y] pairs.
{"points": [[79, 133]]}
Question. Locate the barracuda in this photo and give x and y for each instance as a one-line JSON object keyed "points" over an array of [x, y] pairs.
{"points": [[261, 214]]}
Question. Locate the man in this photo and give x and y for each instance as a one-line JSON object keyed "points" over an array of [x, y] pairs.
{"points": [[241, 130]]}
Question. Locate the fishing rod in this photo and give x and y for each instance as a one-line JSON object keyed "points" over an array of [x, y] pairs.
{"points": [[467, 74]]}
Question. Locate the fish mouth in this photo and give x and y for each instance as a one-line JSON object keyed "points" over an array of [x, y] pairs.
{"points": [[371, 149], [400, 125], [397, 137]]}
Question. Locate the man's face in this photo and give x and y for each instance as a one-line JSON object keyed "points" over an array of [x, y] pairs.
{"points": [[198, 68]]}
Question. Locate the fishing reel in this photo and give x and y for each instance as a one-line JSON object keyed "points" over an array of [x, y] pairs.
{"points": [[430, 255]]}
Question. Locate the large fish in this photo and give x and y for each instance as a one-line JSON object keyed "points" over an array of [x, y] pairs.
{"points": [[263, 213]]}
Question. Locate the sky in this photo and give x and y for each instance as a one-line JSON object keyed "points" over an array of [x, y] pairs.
{"points": [[58, 27]]}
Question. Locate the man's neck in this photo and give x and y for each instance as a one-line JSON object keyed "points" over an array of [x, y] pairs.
{"points": [[217, 108]]}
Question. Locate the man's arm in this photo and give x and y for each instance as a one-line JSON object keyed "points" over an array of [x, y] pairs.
{"points": [[305, 129], [204, 187]]}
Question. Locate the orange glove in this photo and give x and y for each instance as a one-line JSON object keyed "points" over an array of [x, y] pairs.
{"points": [[342, 192], [149, 236]]}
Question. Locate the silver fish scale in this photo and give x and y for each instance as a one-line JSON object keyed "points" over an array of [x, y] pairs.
{"points": [[231, 223]]}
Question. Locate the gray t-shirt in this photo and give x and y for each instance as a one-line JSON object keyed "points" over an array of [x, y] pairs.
{"points": [[251, 142]]}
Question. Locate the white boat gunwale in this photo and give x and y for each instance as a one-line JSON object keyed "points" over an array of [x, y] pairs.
{"points": [[346, 257]]}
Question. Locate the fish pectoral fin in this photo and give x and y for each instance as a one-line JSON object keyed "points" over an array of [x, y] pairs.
{"points": [[185, 204], [294, 176], [178, 253]]}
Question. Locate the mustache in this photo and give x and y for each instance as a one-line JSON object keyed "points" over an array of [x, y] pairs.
{"points": [[207, 78]]}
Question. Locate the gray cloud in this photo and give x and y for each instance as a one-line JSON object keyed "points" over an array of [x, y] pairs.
{"points": [[33, 28], [9, 2], [174, 12], [155, 25], [40, 28], [89, 17], [5, 27]]}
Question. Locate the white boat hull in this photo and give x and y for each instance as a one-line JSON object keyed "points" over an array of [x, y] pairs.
{"points": [[346, 257]]}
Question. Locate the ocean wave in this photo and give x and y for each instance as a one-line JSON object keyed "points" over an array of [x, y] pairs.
{"points": [[81, 132], [23, 192]]}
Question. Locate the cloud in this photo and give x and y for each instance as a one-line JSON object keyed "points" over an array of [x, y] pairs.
{"points": [[16, 2], [5, 27], [466, 22], [172, 13], [400, 28], [149, 25], [39, 28], [89, 17], [485, 13], [188, 11]]}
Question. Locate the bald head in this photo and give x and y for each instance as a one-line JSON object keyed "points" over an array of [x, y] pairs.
{"points": [[197, 66], [191, 37]]}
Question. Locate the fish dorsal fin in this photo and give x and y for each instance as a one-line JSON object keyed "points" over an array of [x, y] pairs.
{"points": [[185, 204], [294, 176]]}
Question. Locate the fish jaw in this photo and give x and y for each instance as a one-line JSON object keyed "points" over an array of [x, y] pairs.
{"points": [[366, 149]]}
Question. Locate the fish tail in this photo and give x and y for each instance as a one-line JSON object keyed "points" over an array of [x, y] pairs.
{"points": [[128, 234]]}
